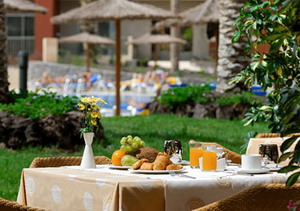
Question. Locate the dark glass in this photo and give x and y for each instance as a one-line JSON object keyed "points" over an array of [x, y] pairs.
{"points": [[269, 151], [174, 149], [14, 26]]}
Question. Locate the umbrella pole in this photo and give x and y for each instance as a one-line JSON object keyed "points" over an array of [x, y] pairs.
{"points": [[118, 65], [155, 55], [88, 60]]}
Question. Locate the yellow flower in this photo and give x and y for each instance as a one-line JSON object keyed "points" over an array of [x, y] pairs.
{"points": [[81, 106], [85, 100], [99, 115], [94, 122], [102, 101], [94, 99], [96, 107], [94, 114]]}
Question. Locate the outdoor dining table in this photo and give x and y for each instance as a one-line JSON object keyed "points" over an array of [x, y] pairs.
{"points": [[72, 188]]}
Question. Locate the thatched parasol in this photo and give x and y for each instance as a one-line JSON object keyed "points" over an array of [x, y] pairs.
{"points": [[156, 39], [209, 12], [87, 39], [104, 10], [202, 13], [23, 6]]}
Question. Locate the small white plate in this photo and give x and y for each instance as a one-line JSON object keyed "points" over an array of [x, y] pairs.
{"points": [[254, 171], [119, 167], [155, 171], [183, 162]]}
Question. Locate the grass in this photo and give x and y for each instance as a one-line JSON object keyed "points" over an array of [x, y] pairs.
{"points": [[153, 129]]}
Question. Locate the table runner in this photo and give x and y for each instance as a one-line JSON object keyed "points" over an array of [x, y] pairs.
{"points": [[105, 189]]}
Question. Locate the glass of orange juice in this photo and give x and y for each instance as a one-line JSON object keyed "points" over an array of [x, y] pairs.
{"points": [[196, 152], [209, 158]]}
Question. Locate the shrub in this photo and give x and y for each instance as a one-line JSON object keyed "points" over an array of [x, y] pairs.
{"points": [[245, 98], [203, 94], [178, 95], [36, 106]]}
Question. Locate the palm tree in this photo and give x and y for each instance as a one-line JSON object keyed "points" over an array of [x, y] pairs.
{"points": [[174, 48], [4, 95], [232, 59]]}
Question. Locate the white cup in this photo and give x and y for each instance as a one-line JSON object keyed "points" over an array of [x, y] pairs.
{"points": [[251, 161], [221, 164]]}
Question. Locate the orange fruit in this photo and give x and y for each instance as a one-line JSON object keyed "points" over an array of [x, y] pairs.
{"points": [[116, 157]]}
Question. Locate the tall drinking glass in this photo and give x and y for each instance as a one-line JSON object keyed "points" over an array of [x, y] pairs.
{"points": [[209, 158], [196, 152]]}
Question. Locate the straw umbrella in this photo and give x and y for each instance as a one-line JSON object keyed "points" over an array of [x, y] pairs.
{"points": [[156, 39], [23, 6], [87, 39], [117, 10], [202, 13]]}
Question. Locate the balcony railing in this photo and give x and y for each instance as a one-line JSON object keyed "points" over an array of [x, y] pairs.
{"points": [[22, 43]]}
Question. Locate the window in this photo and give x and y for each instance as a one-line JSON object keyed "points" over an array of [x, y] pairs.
{"points": [[20, 33]]}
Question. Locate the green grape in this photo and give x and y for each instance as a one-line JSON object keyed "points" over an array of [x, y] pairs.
{"points": [[123, 141], [142, 144], [129, 137], [123, 148], [137, 138], [129, 140], [128, 148], [135, 145]]}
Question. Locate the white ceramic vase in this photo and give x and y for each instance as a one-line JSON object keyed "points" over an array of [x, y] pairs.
{"points": [[88, 161]]}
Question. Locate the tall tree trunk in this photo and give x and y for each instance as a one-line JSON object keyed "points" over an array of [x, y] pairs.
{"points": [[232, 57], [91, 28], [4, 95], [174, 48]]}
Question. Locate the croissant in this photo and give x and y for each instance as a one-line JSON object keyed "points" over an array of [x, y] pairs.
{"points": [[161, 161], [147, 166], [139, 163], [174, 167]]}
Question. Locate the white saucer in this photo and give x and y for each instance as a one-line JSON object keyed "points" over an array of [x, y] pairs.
{"points": [[119, 167], [183, 162], [254, 171]]}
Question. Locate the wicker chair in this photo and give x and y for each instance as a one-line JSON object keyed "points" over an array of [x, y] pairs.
{"points": [[274, 135], [6, 205], [65, 161], [230, 155], [272, 197], [268, 135]]}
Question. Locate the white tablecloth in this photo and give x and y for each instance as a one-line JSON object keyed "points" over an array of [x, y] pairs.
{"points": [[179, 193]]}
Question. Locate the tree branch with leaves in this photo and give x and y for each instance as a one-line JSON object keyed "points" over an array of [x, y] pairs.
{"points": [[274, 24]]}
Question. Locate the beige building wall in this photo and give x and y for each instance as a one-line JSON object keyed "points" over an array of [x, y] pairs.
{"points": [[200, 42], [136, 28]]}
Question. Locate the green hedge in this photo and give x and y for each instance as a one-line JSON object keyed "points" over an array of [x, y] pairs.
{"points": [[36, 105], [203, 94]]}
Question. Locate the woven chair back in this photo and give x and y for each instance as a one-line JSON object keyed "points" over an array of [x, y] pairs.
{"points": [[272, 197], [65, 161], [6, 205], [230, 155]]}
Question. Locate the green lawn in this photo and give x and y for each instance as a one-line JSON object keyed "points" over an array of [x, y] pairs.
{"points": [[153, 129]]}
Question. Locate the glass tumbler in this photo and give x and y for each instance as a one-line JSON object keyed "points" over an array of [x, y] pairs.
{"points": [[209, 158], [196, 151]]}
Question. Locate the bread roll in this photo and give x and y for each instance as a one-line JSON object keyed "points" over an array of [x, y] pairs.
{"points": [[161, 161], [174, 167], [147, 166], [139, 163]]}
